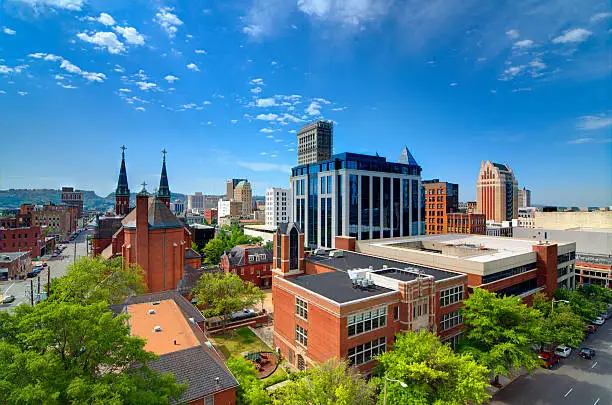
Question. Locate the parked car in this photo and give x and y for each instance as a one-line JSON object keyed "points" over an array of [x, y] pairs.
{"points": [[550, 359], [54, 254], [8, 299], [586, 352], [31, 274], [597, 321], [592, 328], [563, 351]]}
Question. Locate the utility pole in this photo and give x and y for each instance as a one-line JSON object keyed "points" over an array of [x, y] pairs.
{"points": [[48, 281], [31, 292], [74, 260]]}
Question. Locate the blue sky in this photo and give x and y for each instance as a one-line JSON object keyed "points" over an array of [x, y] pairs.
{"points": [[223, 86]]}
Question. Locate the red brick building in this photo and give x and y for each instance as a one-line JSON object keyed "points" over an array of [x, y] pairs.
{"points": [[30, 239], [250, 262], [14, 265], [343, 304], [466, 223], [210, 215], [441, 198]]}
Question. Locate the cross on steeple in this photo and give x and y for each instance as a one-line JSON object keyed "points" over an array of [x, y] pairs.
{"points": [[164, 153], [123, 148], [143, 184]]}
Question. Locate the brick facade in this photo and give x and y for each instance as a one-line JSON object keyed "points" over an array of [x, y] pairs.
{"points": [[22, 239], [255, 269]]}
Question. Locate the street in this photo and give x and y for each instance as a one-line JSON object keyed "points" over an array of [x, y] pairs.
{"points": [[21, 288], [575, 381]]}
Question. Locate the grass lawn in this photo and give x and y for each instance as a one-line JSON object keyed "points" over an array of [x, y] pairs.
{"points": [[238, 341]]}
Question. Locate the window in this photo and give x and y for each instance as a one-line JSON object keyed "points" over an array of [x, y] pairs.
{"points": [[396, 313], [301, 335], [451, 296], [301, 308], [453, 341], [367, 321], [365, 352], [419, 308], [450, 320]]}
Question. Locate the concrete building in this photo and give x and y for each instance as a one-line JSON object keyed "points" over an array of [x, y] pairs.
{"points": [[230, 185], [349, 305], [441, 198], [315, 142], [265, 232], [177, 207], [30, 239], [173, 329], [497, 192], [73, 198], [356, 195], [524, 198], [244, 194], [504, 228], [568, 220], [251, 263], [277, 206], [195, 201], [15, 265], [526, 217], [458, 222], [229, 208]]}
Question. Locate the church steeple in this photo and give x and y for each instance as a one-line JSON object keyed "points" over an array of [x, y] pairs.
{"points": [[122, 193], [163, 193]]}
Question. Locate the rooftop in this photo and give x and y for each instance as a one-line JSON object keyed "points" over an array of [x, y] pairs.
{"points": [[6, 257], [337, 286], [160, 216]]}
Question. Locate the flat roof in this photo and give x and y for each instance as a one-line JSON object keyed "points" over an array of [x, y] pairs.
{"points": [[397, 274], [11, 256], [337, 286], [173, 325], [478, 248], [354, 260]]}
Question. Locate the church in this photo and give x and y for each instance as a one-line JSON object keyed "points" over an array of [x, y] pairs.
{"points": [[148, 234]]}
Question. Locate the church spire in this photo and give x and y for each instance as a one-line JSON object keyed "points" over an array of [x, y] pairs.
{"points": [[122, 193], [163, 193]]}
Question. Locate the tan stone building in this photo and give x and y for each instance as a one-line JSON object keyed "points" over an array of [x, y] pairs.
{"points": [[497, 192], [569, 220], [244, 194]]}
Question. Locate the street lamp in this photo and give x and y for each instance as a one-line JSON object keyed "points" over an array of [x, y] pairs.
{"points": [[552, 303], [403, 384]]}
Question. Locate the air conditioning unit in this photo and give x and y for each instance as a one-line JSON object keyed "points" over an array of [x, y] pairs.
{"points": [[151, 312], [157, 329]]}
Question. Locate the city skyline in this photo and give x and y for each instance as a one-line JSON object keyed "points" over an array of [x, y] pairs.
{"points": [[224, 89]]}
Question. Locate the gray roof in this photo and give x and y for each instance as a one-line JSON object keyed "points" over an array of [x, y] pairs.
{"points": [[285, 227], [191, 254], [199, 369], [188, 309], [160, 216], [237, 255], [337, 286], [353, 260], [7, 257]]}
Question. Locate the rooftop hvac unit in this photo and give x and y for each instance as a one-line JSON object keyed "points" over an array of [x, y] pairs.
{"points": [[151, 312], [157, 329]]}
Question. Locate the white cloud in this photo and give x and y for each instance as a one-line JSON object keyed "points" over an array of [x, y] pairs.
{"points": [[22, 93], [168, 21], [131, 35], [140, 109], [171, 79], [256, 90], [292, 131], [66, 86], [258, 81], [313, 108], [104, 39], [537, 64], [581, 140], [339, 109], [454, 84], [10, 70], [2, 92], [273, 63], [267, 130], [103, 18], [125, 90], [234, 121], [119, 69], [253, 30], [513, 34], [8, 31], [209, 123], [600, 16], [265, 166], [521, 89], [189, 106], [270, 136], [594, 122], [59, 77], [265, 102], [94, 77], [289, 117], [267, 117], [349, 12], [193, 67], [70, 67], [207, 102], [525, 43], [320, 100], [576, 35], [200, 51], [73, 5], [146, 86]]}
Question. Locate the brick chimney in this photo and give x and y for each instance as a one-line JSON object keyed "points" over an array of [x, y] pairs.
{"points": [[142, 233]]}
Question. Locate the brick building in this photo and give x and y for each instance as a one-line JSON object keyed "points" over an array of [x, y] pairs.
{"points": [[210, 215], [14, 265], [250, 262], [30, 239], [171, 327], [21, 218], [343, 304], [594, 269], [104, 229], [59, 219], [441, 198], [458, 222], [73, 198]]}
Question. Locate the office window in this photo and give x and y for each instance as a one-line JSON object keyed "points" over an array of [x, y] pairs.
{"points": [[301, 308], [301, 335], [451, 296], [450, 320], [367, 321], [396, 313], [453, 341], [363, 353]]}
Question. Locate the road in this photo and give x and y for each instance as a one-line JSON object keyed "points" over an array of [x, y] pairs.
{"points": [[575, 381], [21, 288]]}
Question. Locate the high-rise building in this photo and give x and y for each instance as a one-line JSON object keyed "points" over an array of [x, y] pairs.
{"points": [[441, 198], [524, 198], [277, 206], [229, 208], [230, 185], [497, 192], [356, 195], [163, 193], [73, 198], [244, 194], [315, 142], [195, 201], [122, 193], [177, 207]]}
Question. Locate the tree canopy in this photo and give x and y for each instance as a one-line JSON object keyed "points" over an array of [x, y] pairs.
{"points": [[560, 325], [225, 240], [499, 331], [434, 373], [587, 308], [251, 390], [332, 382]]}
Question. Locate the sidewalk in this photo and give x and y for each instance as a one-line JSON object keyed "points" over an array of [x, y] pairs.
{"points": [[504, 381]]}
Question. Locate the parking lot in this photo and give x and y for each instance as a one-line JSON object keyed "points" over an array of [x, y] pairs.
{"points": [[574, 381], [22, 289]]}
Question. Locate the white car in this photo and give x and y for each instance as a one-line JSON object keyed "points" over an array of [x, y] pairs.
{"points": [[598, 321], [563, 351]]}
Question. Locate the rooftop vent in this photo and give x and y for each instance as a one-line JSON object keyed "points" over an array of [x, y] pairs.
{"points": [[151, 312], [191, 320], [155, 303], [336, 253], [157, 329]]}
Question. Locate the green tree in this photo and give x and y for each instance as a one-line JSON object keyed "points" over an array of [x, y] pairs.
{"points": [[434, 373], [587, 309], [98, 280], [195, 247], [221, 294], [251, 390], [213, 251], [61, 352], [560, 325], [332, 382], [499, 332], [269, 245]]}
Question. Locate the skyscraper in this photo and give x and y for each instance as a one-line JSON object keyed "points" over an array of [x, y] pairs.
{"points": [[230, 186], [163, 193], [195, 201], [497, 192], [244, 194], [122, 193], [524, 198], [277, 206], [315, 142], [441, 198]]}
